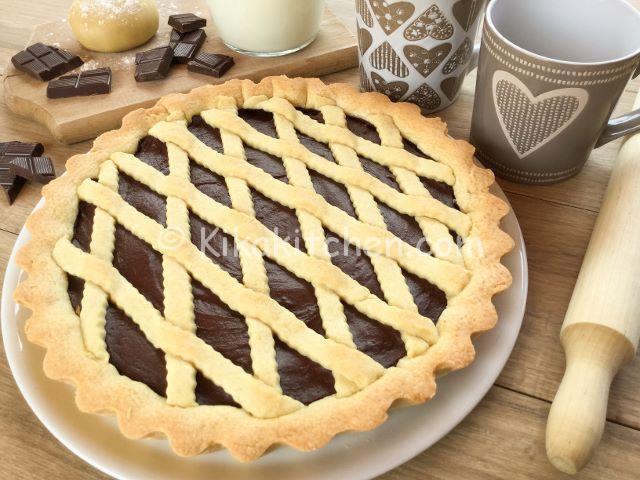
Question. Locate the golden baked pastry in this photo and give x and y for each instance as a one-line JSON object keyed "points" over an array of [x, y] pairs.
{"points": [[251, 264]]}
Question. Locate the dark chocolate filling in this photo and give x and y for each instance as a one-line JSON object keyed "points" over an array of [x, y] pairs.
{"points": [[438, 190], [217, 324]]}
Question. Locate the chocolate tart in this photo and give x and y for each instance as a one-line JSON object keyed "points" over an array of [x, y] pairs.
{"points": [[250, 265]]}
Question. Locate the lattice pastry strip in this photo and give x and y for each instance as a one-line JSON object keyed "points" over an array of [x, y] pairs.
{"points": [[178, 297], [252, 394], [180, 374], [449, 278], [354, 365], [263, 354], [334, 320], [315, 271], [438, 237], [326, 134], [436, 234], [389, 274], [409, 205], [94, 300], [180, 388]]}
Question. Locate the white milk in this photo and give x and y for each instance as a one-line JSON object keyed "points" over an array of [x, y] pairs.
{"points": [[267, 26]]}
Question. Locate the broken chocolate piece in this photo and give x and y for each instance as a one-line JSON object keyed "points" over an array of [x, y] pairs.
{"points": [[45, 62], [36, 169], [186, 45], [10, 184], [153, 64], [186, 22], [91, 82], [14, 149], [212, 64]]}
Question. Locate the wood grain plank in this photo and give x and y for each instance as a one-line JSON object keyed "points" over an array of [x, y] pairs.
{"points": [[556, 238], [503, 438]]}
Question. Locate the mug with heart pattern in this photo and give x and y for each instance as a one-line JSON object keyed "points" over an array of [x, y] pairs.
{"points": [[417, 51], [549, 76]]}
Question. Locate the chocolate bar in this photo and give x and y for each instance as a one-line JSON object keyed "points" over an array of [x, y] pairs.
{"points": [[45, 62], [212, 64], [153, 64], [9, 183], [186, 22], [35, 169], [14, 149], [186, 45], [91, 82]]}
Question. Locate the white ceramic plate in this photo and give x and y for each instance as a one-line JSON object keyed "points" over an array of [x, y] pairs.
{"points": [[409, 431]]}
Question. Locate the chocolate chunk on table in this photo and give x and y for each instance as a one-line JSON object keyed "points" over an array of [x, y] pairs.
{"points": [[186, 45], [212, 64], [153, 64], [13, 149], [90, 82], [45, 62], [186, 22], [35, 169], [10, 184]]}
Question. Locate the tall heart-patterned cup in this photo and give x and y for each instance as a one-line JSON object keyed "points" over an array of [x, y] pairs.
{"points": [[549, 75], [417, 51]]}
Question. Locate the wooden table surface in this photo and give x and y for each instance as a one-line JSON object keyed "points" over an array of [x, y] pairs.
{"points": [[504, 436]]}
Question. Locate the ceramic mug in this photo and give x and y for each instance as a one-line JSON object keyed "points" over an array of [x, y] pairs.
{"points": [[417, 51], [549, 76]]}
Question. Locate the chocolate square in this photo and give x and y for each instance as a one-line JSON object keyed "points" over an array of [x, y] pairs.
{"points": [[45, 62], [13, 149], [10, 184], [186, 45], [153, 64], [91, 82], [36, 169], [186, 22], [212, 64]]}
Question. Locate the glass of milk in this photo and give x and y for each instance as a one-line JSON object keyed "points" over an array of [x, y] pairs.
{"points": [[267, 28]]}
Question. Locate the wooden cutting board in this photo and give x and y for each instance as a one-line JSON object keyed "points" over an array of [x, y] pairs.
{"points": [[72, 120]]}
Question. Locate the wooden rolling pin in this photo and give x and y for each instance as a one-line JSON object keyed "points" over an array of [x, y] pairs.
{"points": [[602, 325]]}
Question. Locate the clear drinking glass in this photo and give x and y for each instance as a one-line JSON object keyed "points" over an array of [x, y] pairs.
{"points": [[267, 28]]}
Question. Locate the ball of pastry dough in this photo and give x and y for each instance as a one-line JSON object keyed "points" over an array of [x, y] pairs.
{"points": [[113, 25]]}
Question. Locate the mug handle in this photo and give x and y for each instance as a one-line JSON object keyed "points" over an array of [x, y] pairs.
{"points": [[621, 126]]}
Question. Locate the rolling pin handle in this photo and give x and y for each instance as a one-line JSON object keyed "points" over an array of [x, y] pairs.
{"points": [[577, 417]]}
